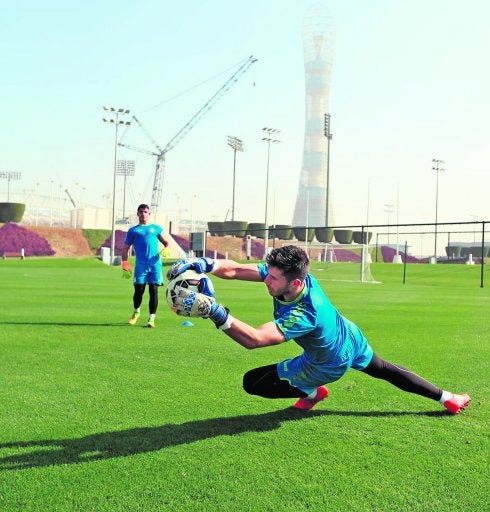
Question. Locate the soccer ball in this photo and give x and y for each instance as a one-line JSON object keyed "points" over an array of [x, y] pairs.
{"points": [[189, 280]]}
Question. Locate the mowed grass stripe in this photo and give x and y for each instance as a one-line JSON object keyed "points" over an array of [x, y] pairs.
{"points": [[100, 415]]}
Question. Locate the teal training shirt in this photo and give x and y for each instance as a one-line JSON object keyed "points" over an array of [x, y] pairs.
{"points": [[144, 239], [331, 342]]}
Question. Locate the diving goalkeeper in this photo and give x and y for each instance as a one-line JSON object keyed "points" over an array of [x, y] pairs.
{"points": [[302, 312]]}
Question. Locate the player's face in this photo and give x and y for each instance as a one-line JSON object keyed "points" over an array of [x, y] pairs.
{"points": [[143, 215], [277, 284]]}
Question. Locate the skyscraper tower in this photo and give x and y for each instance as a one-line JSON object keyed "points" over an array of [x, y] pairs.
{"points": [[318, 44]]}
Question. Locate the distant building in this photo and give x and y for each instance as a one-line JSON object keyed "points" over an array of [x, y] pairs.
{"points": [[318, 43]]}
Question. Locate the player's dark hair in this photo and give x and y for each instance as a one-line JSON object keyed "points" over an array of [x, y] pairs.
{"points": [[142, 207], [292, 261]]}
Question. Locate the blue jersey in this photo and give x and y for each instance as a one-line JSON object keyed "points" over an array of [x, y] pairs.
{"points": [[144, 239], [331, 343]]}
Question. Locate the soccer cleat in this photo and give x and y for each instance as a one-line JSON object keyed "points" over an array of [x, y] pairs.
{"points": [[306, 404], [457, 403], [150, 324], [134, 318]]}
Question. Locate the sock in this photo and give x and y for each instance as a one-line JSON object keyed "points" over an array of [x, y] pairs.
{"points": [[446, 395], [152, 317], [137, 310], [312, 395]]}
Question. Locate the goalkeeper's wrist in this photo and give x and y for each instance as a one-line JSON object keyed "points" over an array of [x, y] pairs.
{"points": [[207, 265], [221, 317]]}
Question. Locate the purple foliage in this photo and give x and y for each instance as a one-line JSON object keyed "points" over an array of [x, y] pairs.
{"points": [[256, 248], [13, 238], [346, 255], [389, 253], [183, 242], [119, 241], [185, 245]]}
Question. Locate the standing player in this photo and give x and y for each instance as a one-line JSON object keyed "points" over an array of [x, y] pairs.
{"points": [[144, 238], [302, 312]]}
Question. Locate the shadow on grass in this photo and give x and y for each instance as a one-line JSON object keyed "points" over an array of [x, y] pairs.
{"points": [[72, 324], [134, 441]]}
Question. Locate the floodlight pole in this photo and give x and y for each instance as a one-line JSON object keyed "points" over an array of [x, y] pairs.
{"points": [[9, 176], [328, 134], [436, 167], [125, 168], [237, 145], [115, 112], [389, 211], [268, 132]]}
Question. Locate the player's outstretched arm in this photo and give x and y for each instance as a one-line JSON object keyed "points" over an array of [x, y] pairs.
{"points": [[189, 303], [225, 269], [251, 337]]}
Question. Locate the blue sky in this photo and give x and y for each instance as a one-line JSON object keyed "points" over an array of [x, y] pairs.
{"points": [[410, 82]]}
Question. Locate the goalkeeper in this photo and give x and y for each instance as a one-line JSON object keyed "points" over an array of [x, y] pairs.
{"points": [[302, 312], [144, 237]]}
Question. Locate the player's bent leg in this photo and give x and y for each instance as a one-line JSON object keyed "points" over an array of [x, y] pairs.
{"points": [[139, 290], [406, 380], [153, 304], [265, 382], [402, 378]]}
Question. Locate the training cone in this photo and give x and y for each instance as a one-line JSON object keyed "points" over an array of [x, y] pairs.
{"points": [[187, 323]]}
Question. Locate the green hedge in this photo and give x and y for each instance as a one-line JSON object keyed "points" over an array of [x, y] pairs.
{"points": [[343, 236], [324, 235], [12, 212], [96, 237]]}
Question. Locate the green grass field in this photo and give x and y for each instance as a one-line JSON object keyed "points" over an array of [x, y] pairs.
{"points": [[97, 415]]}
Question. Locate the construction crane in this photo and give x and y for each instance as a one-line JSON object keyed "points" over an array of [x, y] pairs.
{"points": [[161, 152], [71, 198]]}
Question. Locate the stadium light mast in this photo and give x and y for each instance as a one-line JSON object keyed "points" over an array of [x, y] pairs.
{"points": [[328, 134], [9, 176], [436, 167], [114, 119], [237, 145], [125, 168], [269, 133], [389, 211]]}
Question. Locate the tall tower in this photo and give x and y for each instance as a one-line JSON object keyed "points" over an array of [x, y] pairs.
{"points": [[318, 44]]}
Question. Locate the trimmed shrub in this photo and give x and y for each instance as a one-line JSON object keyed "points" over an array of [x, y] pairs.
{"points": [[324, 235], [216, 228], [358, 237], [343, 236], [300, 233], [235, 228], [12, 212], [256, 229], [96, 237], [283, 231], [13, 238]]}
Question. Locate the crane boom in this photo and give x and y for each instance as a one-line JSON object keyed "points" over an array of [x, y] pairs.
{"points": [[160, 164], [140, 150], [148, 134], [70, 198], [208, 105]]}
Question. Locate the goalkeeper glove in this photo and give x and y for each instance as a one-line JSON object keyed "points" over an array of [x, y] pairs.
{"points": [[126, 266], [200, 265], [127, 270], [189, 303]]}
